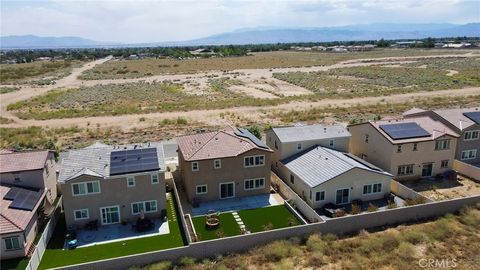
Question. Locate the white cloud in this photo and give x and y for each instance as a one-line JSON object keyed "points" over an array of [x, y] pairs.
{"points": [[148, 21]]}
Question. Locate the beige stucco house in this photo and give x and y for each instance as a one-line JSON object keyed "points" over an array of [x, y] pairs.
{"points": [[113, 184], [407, 148], [464, 121], [223, 164], [321, 175]]}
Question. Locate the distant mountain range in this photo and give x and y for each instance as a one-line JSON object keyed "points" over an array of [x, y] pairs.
{"points": [[261, 35]]}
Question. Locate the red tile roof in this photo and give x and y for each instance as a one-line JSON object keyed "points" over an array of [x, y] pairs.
{"points": [[14, 220], [217, 144], [23, 161]]}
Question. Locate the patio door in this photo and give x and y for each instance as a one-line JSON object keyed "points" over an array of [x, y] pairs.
{"points": [[427, 170], [343, 196], [110, 215], [227, 190]]}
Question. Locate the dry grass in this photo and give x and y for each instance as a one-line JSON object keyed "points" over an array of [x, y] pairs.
{"points": [[35, 72]]}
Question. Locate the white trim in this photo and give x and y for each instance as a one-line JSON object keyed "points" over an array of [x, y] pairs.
{"points": [[151, 179], [198, 166], [253, 179], [372, 191], [348, 200], [219, 164], [254, 157], [469, 151], [119, 214], [86, 189], [201, 193], [20, 246], [83, 218], [220, 190], [131, 174], [134, 181], [144, 204], [324, 196], [471, 131]]}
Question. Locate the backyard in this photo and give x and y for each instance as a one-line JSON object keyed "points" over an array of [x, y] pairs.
{"points": [[445, 189], [55, 256], [255, 220]]}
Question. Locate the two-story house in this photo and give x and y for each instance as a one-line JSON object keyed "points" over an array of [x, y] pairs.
{"points": [[410, 148], [223, 164], [464, 121], [113, 184]]}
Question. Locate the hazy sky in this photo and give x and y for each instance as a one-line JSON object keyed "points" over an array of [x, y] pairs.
{"points": [[150, 21]]}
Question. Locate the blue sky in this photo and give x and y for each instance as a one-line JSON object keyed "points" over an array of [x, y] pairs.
{"points": [[151, 21]]}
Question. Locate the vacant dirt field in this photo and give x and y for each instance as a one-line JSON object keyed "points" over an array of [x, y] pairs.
{"points": [[445, 189], [39, 73]]}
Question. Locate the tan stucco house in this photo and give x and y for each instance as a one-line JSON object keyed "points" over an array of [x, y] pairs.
{"points": [[464, 121], [113, 184], [321, 175], [223, 164], [410, 148]]}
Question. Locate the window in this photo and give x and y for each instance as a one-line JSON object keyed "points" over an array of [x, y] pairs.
{"points": [[292, 179], [201, 189], [415, 146], [399, 148], [146, 207], [405, 169], [320, 196], [366, 138], [442, 144], [154, 178], [217, 164], [194, 166], [444, 164], [372, 188], [86, 188], [469, 154], [331, 143], [254, 161], [81, 214], [471, 135], [16, 177], [130, 181], [257, 183], [12, 243], [299, 146], [276, 145]]}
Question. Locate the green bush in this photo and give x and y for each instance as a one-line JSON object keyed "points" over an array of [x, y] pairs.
{"points": [[187, 261]]}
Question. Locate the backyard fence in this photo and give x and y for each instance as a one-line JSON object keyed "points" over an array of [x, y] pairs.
{"points": [[405, 192], [467, 169], [180, 209], [241, 243], [37, 254]]}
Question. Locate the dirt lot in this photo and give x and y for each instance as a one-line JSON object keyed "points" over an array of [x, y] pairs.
{"points": [[445, 189]]}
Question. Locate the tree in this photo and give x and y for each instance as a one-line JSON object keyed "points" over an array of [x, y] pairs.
{"points": [[256, 131], [382, 43]]}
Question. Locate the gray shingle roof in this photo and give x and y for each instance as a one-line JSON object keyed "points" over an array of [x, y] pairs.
{"points": [[319, 164], [94, 160], [310, 132]]}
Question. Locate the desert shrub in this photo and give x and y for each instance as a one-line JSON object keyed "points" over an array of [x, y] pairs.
{"points": [[187, 261], [339, 213], [413, 236], [392, 205], [276, 251], [356, 209], [267, 227], [142, 119], [405, 250], [316, 243], [256, 131], [415, 201], [181, 120], [330, 237], [372, 207]]}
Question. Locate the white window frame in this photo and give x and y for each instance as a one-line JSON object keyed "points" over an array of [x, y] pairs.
{"points": [[220, 190], [111, 206], [215, 163], [254, 183], [324, 195], [260, 158], [331, 143], [371, 191], [469, 156], [471, 132], [85, 188], [415, 146], [80, 210], [152, 177], [197, 165], [144, 207], [443, 144], [442, 163], [299, 146], [201, 193], [17, 237], [399, 148], [349, 196], [405, 167], [128, 181]]}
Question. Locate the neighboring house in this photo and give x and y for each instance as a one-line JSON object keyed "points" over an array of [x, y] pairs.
{"points": [[321, 175], [223, 164], [408, 149], [465, 122], [19, 209], [113, 184], [30, 169], [288, 141]]}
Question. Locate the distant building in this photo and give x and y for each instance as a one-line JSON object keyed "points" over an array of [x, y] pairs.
{"points": [[406, 44]]}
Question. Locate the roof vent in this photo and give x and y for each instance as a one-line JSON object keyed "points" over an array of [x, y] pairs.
{"points": [[324, 130], [135, 146], [139, 157]]}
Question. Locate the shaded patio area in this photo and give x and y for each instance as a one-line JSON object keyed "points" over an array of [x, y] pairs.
{"points": [[117, 232]]}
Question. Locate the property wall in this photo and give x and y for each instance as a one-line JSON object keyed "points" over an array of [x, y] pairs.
{"points": [[113, 192], [244, 242], [232, 170], [467, 169], [406, 193]]}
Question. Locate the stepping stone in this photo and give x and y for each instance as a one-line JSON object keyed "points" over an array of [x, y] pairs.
{"points": [[234, 213], [240, 223], [242, 226]]}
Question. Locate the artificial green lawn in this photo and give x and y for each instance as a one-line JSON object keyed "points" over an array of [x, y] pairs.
{"points": [[268, 218], [228, 227], [55, 256]]}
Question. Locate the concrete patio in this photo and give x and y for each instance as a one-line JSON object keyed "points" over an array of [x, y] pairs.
{"points": [[117, 232]]}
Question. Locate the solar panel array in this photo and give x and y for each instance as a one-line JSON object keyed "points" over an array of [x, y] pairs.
{"points": [[23, 199], [400, 131], [246, 134], [474, 116], [134, 160]]}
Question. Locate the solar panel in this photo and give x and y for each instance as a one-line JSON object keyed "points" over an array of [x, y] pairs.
{"points": [[12, 193], [404, 131], [246, 134], [26, 199], [474, 116], [135, 160]]}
